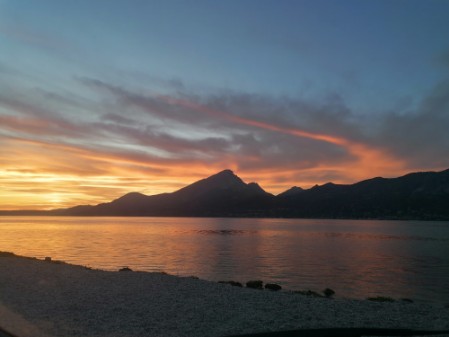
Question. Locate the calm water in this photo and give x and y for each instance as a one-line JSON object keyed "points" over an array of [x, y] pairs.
{"points": [[355, 258]]}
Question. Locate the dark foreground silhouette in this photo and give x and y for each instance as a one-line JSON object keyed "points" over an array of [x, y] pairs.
{"points": [[420, 196], [347, 332], [328, 332]]}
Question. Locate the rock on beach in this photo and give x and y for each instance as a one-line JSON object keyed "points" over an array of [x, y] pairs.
{"points": [[42, 299]]}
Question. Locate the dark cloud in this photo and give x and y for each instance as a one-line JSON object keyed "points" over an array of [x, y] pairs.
{"points": [[284, 139], [420, 136], [157, 106], [270, 150], [223, 113], [329, 115], [32, 118], [150, 136]]}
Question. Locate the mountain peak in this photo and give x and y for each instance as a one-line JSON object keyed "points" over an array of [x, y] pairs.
{"points": [[291, 191], [224, 179], [131, 196], [255, 187], [224, 173]]}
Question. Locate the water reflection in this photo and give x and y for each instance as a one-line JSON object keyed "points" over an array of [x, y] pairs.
{"points": [[223, 231], [340, 235], [355, 258], [366, 236]]}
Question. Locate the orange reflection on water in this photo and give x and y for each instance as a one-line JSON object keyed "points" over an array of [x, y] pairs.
{"points": [[355, 258]]}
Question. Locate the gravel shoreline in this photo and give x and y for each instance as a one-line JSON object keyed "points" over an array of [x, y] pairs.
{"points": [[48, 299]]}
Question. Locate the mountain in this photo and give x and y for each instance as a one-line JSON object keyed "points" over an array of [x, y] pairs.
{"points": [[223, 194], [422, 195], [291, 192]]}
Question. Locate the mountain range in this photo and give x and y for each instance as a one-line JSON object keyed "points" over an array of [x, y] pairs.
{"points": [[421, 195]]}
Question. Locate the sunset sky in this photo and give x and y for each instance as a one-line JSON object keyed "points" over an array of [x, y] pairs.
{"points": [[100, 98]]}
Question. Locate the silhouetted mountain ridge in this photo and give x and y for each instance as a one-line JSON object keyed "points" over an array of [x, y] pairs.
{"points": [[291, 191], [222, 194], [222, 182], [420, 195]]}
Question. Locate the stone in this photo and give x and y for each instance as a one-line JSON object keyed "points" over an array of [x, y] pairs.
{"points": [[125, 269], [232, 283], [273, 286], [256, 284], [328, 292]]}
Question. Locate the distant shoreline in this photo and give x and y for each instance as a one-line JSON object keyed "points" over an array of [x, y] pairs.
{"points": [[42, 298], [50, 214]]}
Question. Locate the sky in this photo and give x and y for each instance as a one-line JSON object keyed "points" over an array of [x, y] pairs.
{"points": [[101, 98]]}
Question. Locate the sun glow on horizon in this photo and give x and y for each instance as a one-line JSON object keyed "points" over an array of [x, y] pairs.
{"points": [[82, 175], [63, 174], [108, 104]]}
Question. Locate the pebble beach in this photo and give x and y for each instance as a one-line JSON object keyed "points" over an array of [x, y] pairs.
{"points": [[41, 298]]}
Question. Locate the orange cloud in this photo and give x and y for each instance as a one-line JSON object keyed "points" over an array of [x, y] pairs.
{"points": [[38, 174], [53, 161], [368, 161]]}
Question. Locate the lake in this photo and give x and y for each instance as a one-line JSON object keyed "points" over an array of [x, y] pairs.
{"points": [[356, 258]]}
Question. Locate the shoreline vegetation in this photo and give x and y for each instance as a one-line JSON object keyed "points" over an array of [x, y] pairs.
{"points": [[53, 298]]}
